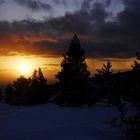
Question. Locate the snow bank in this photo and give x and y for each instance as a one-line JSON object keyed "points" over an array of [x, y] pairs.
{"points": [[51, 122]]}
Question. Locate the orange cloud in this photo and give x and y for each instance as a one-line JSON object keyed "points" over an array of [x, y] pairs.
{"points": [[31, 38]]}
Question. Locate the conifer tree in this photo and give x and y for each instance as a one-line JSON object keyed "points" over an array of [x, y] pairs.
{"points": [[38, 87], [20, 87], [34, 78], [106, 69], [136, 65], [73, 66], [74, 75], [41, 78]]}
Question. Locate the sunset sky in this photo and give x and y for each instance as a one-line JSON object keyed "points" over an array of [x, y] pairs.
{"points": [[37, 32]]}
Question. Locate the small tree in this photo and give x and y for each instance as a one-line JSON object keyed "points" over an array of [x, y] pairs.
{"points": [[106, 69], [38, 87], [27, 91], [34, 78], [21, 88], [37, 78], [136, 65], [41, 79]]}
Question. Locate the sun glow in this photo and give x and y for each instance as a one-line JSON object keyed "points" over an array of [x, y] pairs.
{"points": [[24, 68], [13, 66]]}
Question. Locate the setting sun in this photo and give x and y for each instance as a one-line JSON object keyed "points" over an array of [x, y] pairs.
{"points": [[24, 68]]}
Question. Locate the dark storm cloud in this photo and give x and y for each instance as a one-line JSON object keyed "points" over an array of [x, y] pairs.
{"points": [[64, 2], [107, 49], [86, 5], [45, 43], [130, 16], [131, 3], [51, 47], [34, 4], [4, 27], [98, 13], [118, 38], [2, 1], [83, 21], [71, 23], [108, 2], [57, 1], [126, 29], [99, 37]]}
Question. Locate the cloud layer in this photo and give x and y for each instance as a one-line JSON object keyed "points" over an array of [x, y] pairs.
{"points": [[2, 1], [34, 5], [100, 34]]}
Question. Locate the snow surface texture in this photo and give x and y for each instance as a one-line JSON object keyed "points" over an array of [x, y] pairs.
{"points": [[51, 122]]}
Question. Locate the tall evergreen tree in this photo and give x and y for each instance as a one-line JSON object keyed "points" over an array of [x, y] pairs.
{"points": [[73, 76], [73, 66]]}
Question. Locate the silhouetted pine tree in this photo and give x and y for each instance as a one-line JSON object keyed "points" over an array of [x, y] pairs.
{"points": [[73, 65], [136, 65], [21, 88], [27, 91], [38, 87], [74, 74], [34, 78], [107, 84], [41, 79], [42, 86], [37, 78], [106, 69]]}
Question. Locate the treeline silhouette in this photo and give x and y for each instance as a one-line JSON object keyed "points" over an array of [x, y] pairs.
{"points": [[75, 87], [27, 90]]}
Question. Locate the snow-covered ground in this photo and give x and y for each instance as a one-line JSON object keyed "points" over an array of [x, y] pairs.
{"points": [[51, 122]]}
